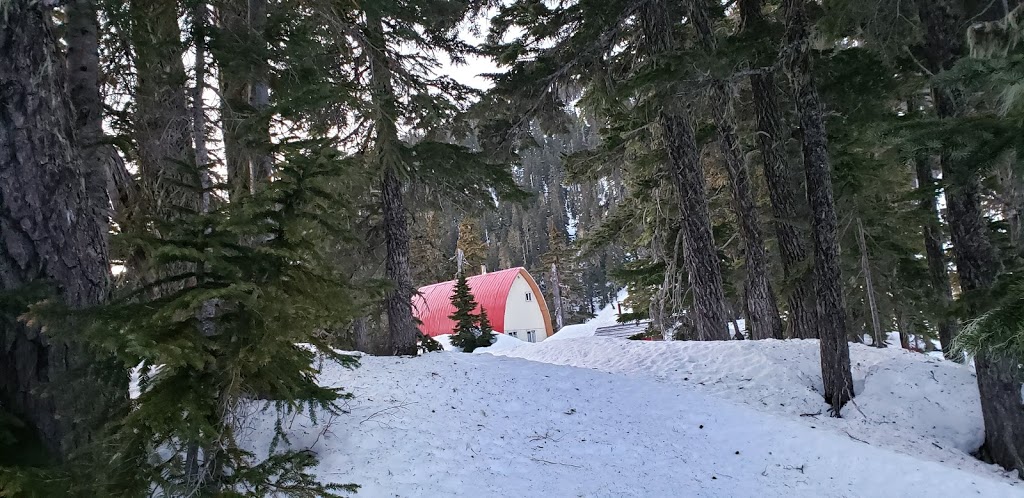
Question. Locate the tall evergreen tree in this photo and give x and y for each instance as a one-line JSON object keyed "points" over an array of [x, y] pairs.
{"points": [[679, 138], [832, 331], [762, 312], [999, 377], [466, 331], [779, 179], [55, 239]]}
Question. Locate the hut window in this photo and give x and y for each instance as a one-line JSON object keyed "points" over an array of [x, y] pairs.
{"points": [[513, 333], [529, 297], [531, 335]]}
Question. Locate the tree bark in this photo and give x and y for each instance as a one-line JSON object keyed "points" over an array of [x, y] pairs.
{"points": [[556, 295], [783, 198], [878, 338], [361, 334], [261, 167], [402, 331], [937, 270], [53, 227], [762, 310], [233, 31], [688, 176], [163, 124], [759, 298], [904, 329], [835, 351], [202, 157], [999, 380], [778, 174], [83, 62]]}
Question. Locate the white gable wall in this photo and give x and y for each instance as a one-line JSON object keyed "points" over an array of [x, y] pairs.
{"points": [[522, 316]]}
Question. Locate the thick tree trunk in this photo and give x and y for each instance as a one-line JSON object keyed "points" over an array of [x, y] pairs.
{"points": [[878, 338], [937, 270], [83, 62], [53, 229], [835, 350], [999, 380], [701, 253], [759, 299], [764, 321], [688, 176], [361, 335], [401, 327], [402, 331], [779, 178], [163, 124], [904, 329]]}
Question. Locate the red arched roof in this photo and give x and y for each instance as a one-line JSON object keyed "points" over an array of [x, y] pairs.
{"points": [[433, 305]]}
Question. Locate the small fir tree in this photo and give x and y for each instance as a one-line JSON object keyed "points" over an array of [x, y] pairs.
{"points": [[466, 331], [486, 337]]}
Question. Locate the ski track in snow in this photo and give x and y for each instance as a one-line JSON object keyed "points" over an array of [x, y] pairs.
{"points": [[481, 425]]}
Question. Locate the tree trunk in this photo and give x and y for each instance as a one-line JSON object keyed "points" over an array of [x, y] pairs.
{"points": [[402, 331], [202, 158], [701, 253], [556, 294], [904, 329], [759, 298], [401, 327], [163, 124], [233, 38], [53, 229], [835, 351], [778, 174], [361, 334], [259, 98], [83, 62], [688, 176], [999, 380], [877, 337], [778, 178], [937, 270]]}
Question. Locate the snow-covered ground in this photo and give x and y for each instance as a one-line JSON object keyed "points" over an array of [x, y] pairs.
{"points": [[607, 316], [905, 401], [662, 419], [501, 343]]}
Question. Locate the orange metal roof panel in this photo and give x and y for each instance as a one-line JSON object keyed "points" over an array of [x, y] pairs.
{"points": [[433, 305]]}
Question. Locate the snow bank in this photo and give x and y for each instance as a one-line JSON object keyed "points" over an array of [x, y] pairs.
{"points": [[503, 343], [906, 401], [472, 425], [607, 316]]}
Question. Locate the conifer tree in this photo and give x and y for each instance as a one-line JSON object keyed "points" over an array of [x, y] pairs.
{"points": [[467, 331], [762, 312], [55, 244], [404, 90], [486, 337], [474, 250], [779, 175], [832, 331]]}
